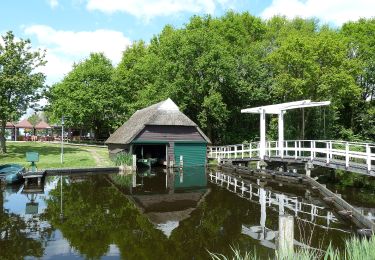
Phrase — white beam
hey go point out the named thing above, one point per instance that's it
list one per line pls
(274, 109)
(281, 134)
(262, 144)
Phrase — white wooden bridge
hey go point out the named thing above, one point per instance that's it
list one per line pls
(350, 156)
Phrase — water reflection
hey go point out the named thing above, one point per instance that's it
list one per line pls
(153, 215)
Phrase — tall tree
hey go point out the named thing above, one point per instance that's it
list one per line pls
(86, 95)
(20, 84)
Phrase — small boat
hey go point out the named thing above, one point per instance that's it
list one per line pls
(11, 173)
(147, 162)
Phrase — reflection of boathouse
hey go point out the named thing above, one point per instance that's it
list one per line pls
(163, 132)
(177, 196)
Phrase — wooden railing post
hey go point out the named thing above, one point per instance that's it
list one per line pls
(327, 151)
(330, 149)
(346, 154)
(368, 159)
(295, 150)
(242, 147)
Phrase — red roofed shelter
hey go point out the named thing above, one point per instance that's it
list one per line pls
(44, 126)
(24, 124)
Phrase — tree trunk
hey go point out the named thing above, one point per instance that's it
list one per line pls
(3, 148)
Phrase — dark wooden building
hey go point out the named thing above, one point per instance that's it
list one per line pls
(161, 131)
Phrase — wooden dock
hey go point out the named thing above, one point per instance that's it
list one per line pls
(27, 176)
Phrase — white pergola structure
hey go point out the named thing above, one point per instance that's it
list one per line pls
(278, 109)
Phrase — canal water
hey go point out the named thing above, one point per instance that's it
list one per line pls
(159, 215)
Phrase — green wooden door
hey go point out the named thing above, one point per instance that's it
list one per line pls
(194, 154)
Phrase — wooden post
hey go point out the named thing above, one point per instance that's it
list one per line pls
(181, 161)
(368, 159)
(286, 236)
(346, 154)
(134, 166)
(308, 167)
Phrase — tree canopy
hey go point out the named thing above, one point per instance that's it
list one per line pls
(20, 83)
(214, 67)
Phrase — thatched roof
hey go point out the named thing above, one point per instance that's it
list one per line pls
(162, 113)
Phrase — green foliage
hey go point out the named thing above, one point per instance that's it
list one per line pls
(85, 95)
(20, 85)
(123, 159)
(214, 67)
(34, 119)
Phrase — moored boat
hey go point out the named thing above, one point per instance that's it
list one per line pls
(11, 173)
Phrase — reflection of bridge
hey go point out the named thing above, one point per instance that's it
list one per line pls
(354, 157)
(306, 212)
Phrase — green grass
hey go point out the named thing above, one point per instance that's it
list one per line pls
(49, 155)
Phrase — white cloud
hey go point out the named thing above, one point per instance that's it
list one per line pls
(66, 47)
(53, 3)
(148, 9)
(328, 11)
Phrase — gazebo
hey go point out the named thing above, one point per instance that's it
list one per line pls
(43, 126)
(24, 124)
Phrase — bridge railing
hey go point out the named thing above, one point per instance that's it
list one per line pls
(328, 150)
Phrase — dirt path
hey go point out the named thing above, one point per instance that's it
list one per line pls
(98, 159)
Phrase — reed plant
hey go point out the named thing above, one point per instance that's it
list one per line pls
(355, 249)
(123, 159)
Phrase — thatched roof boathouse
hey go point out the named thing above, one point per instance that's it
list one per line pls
(161, 131)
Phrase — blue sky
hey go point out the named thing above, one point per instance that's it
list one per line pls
(70, 29)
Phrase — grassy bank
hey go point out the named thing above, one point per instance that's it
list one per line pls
(50, 154)
(355, 249)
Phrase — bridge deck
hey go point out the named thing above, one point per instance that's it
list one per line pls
(353, 157)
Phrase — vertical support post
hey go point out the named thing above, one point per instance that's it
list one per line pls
(327, 151)
(314, 149)
(330, 149)
(250, 150)
(286, 236)
(286, 148)
(295, 150)
(242, 150)
(262, 202)
(62, 140)
(134, 166)
(235, 151)
(181, 161)
(368, 159)
(311, 150)
(347, 154)
(262, 151)
(281, 134)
